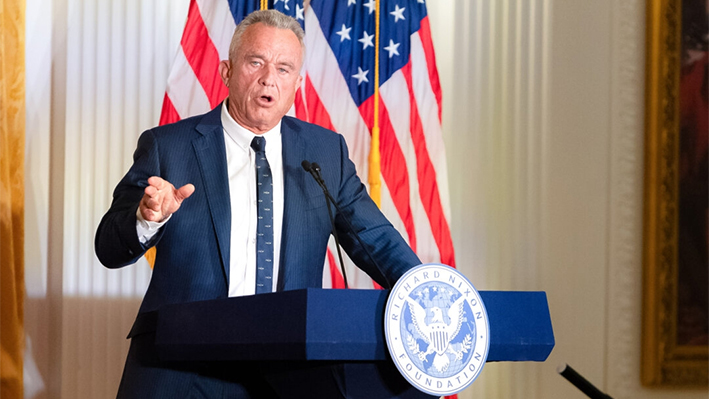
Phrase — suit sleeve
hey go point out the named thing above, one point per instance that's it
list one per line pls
(390, 256)
(116, 242)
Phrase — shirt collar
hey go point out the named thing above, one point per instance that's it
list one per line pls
(243, 137)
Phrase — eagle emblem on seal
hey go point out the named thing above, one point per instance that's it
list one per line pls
(436, 329)
(438, 332)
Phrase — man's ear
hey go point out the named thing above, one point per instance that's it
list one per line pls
(298, 83)
(225, 71)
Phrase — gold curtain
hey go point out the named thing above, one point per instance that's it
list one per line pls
(12, 163)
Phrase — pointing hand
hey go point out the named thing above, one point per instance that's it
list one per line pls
(162, 199)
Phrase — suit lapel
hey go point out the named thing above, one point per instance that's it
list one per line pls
(211, 155)
(293, 183)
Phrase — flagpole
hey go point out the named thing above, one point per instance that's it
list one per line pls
(375, 183)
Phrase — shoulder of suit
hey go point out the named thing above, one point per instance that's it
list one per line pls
(298, 126)
(188, 125)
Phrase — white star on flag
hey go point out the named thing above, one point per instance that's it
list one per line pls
(344, 33)
(285, 3)
(398, 13)
(350, 2)
(371, 4)
(299, 12)
(392, 48)
(367, 40)
(361, 76)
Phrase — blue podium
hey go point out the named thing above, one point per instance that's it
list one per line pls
(343, 327)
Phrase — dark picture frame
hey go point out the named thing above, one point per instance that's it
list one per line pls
(671, 355)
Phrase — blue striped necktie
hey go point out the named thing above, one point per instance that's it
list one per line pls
(264, 226)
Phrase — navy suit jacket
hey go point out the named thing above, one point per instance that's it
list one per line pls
(193, 248)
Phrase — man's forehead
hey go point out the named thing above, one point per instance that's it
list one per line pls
(254, 32)
(260, 26)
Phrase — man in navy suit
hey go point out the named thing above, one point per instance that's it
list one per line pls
(192, 193)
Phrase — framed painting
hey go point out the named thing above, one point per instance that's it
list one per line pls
(675, 351)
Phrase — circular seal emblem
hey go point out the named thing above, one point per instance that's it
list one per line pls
(437, 329)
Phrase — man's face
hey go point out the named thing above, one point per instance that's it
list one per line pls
(263, 78)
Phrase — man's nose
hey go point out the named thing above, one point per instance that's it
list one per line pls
(268, 76)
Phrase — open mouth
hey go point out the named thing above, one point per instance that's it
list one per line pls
(267, 99)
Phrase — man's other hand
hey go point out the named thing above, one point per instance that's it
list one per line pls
(162, 199)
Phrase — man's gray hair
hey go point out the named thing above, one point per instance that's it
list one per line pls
(272, 18)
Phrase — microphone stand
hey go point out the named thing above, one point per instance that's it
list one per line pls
(314, 170)
(581, 383)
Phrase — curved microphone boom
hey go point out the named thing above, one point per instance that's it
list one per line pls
(316, 175)
(314, 170)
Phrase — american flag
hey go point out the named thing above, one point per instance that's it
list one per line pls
(338, 93)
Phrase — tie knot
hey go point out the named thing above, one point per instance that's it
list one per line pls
(258, 144)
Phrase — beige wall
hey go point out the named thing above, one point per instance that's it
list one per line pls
(575, 164)
(543, 127)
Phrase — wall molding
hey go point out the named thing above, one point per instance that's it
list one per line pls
(623, 318)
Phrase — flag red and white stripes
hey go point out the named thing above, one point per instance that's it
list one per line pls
(338, 93)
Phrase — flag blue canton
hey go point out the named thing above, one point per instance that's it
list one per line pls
(349, 26)
(240, 8)
(294, 8)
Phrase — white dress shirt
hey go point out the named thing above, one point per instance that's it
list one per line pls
(241, 169)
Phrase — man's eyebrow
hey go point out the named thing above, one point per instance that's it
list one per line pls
(253, 55)
(286, 63)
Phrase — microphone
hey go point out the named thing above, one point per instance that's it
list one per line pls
(316, 173)
(314, 170)
(306, 165)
